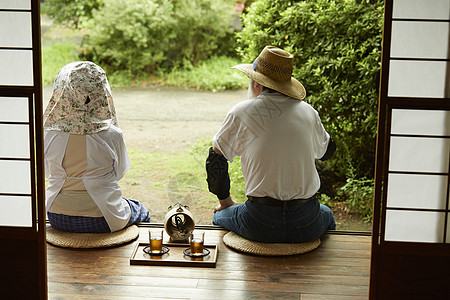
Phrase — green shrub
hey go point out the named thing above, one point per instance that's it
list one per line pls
(337, 50)
(203, 29)
(129, 35)
(70, 12)
(358, 196)
(146, 35)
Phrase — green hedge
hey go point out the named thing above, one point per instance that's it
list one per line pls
(70, 12)
(337, 50)
(146, 35)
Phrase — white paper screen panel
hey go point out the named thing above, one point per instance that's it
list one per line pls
(413, 154)
(15, 211)
(420, 122)
(414, 226)
(421, 9)
(15, 4)
(417, 191)
(16, 64)
(15, 177)
(420, 39)
(16, 67)
(418, 79)
(15, 29)
(15, 141)
(13, 109)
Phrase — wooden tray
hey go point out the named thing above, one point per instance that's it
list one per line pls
(175, 257)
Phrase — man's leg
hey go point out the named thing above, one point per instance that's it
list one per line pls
(328, 217)
(252, 221)
(230, 218)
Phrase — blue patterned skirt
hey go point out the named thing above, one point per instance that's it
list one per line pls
(96, 224)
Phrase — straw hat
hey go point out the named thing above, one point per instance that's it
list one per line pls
(91, 240)
(237, 242)
(273, 69)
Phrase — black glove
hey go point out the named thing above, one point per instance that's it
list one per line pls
(330, 150)
(217, 175)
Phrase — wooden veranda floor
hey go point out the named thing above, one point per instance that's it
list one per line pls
(338, 269)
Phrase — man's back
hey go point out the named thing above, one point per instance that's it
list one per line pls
(278, 139)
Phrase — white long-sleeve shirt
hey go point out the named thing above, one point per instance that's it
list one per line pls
(107, 163)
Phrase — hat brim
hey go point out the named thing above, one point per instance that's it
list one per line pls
(292, 88)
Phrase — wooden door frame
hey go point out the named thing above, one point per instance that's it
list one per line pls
(24, 248)
(432, 260)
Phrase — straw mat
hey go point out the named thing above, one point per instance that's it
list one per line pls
(237, 242)
(91, 240)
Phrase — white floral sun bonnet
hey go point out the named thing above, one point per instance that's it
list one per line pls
(81, 102)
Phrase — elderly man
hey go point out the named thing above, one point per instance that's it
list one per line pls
(278, 137)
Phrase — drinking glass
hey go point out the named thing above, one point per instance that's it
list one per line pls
(156, 240)
(196, 240)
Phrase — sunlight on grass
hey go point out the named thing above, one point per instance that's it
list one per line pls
(54, 57)
(59, 47)
(180, 174)
(214, 74)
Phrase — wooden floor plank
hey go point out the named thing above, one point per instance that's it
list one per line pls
(325, 287)
(96, 290)
(338, 269)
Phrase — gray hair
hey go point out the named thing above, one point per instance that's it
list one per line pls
(250, 94)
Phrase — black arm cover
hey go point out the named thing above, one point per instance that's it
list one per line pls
(217, 175)
(330, 150)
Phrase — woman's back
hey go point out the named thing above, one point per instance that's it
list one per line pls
(75, 163)
(85, 155)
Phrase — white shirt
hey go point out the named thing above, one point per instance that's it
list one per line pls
(278, 139)
(107, 162)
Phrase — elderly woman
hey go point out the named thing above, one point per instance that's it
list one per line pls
(85, 155)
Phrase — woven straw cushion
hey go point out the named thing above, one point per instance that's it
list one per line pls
(91, 240)
(237, 242)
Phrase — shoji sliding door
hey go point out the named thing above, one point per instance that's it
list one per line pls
(411, 233)
(22, 217)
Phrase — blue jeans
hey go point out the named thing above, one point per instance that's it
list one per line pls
(286, 224)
